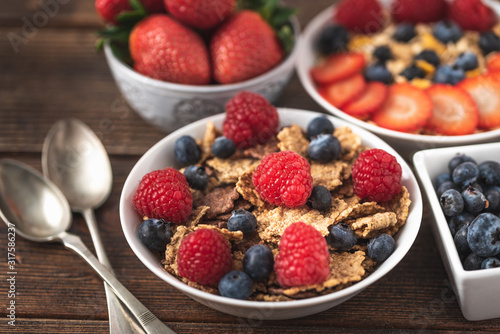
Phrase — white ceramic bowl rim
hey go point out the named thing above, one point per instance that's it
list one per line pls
(310, 31)
(215, 88)
(395, 258)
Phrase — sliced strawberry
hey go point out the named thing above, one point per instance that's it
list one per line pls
(485, 91)
(407, 108)
(337, 67)
(455, 112)
(493, 63)
(344, 91)
(373, 97)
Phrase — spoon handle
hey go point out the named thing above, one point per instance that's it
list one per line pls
(120, 321)
(149, 322)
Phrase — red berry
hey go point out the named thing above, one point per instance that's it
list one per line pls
(200, 14)
(484, 90)
(360, 16)
(204, 257)
(344, 91)
(303, 257)
(472, 15)
(164, 194)
(338, 66)
(283, 178)
(419, 11)
(250, 120)
(109, 9)
(376, 175)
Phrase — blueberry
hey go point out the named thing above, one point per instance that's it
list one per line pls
(484, 235)
(412, 72)
(489, 172)
(447, 31)
(465, 174)
(445, 186)
(457, 160)
(489, 42)
(318, 126)
(196, 177)
(236, 284)
(441, 178)
(381, 247)
(223, 147)
(320, 199)
(490, 262)
(429, 56)
(383, 53)
(258, 262)
(493, 197)
(324, 148)
(467, 61)
(342, 237)
(187, 151)
(155, 234)
(452, 202)
(478, 186)
(473, 262)
(404, 32)
(378, 72)
(457, 222)
(474, 200)
(460, 240)
(242, 220)
(332, 39)
(447, 74)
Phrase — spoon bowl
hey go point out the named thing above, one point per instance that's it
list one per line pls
(37, 207)
(76, 161)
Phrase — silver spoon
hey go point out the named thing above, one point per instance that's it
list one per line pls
(75, 160)
(40, 212)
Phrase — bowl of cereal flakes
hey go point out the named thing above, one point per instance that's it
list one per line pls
(278, 213)
(418, 79)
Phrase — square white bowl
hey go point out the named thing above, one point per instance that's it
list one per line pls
(478, 291)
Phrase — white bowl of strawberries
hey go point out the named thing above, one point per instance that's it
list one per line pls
(280, 227)
(420, 75)
(184, 64)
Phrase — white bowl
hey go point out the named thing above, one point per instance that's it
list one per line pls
(161, 155)
(405, 143)
(170, 105)
(478, 291)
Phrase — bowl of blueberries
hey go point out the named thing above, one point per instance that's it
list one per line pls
(463, 188)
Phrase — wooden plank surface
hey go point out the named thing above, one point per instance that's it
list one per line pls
(57, 74)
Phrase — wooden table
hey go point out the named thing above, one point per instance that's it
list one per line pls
(49, 70)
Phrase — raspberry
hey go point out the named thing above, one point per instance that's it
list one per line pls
(303, 257)
(164, 194)
(472, 15)
(419, 11)
(250, 120)
(376, 175)
(360, 16)
(204, 257)
(283, 178)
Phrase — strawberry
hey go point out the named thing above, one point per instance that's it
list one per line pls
(407, 108)
(493, 63)
(372, 98)
(360, 16)
(485, 91)
(454, 112)
(200, 14)
(419, 11)
(164, 49)
(109, 9)
(337, 67)
(244, 47)
(472, 15)
(344, 91)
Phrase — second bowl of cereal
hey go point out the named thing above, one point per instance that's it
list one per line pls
(418, 80)
(287, 220)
